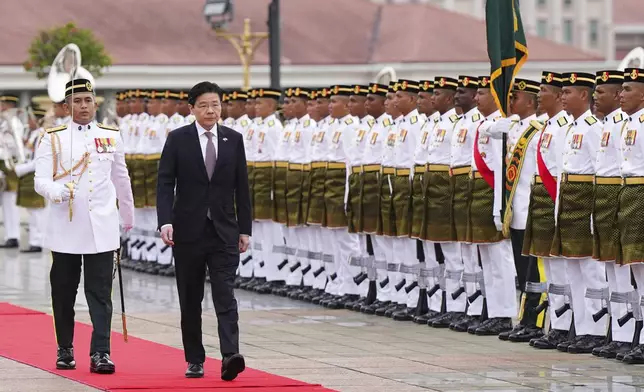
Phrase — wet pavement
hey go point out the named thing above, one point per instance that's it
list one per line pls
(340, 349)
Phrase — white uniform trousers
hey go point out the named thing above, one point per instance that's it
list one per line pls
(11, 215)
(383, 251)
(555, 269)
(453, 267)
(472, 268)
(638, 274)
(246, 270)
(347, 246)
(400, 253)
(316, 246)
(585, 274)
(36, 224)
(258, 251)
(297, 240)
(406, 250)
(151, 240)
(499, 272)
(431, 263)
(271, 236)
(619, 280)
(137, 247)
(364, 286)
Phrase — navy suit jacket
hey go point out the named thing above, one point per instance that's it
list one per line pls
(226, 193)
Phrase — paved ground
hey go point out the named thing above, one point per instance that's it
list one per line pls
(342, 350)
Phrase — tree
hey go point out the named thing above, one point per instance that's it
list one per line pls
(46, 45)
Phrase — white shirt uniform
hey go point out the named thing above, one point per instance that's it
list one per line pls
(360, 141)
(266, 139)
(300, 142)
(407, 138)
(491, 152)
(439, 143)
(632, 147)
(609, 155)
(376, 140)
(580, 146)
(552, 142)
(463, 138)
(95, 222)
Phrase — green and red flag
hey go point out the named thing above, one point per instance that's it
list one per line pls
(506, 47)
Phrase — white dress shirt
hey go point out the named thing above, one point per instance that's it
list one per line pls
(203, 139)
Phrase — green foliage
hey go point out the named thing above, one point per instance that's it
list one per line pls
(46, 45)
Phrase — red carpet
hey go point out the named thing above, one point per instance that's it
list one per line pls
(6, 309)
(28, 337)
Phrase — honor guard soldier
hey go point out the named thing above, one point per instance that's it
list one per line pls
(541, 211)
(484, 228)
(346, 245)
(80, 169)
(297, 195)
(630, 213)
(264, 145)
(27, 196)
(387, 224)
(399, 174)
(460, 168)
(9, 156)
(435, 143)
(369, 204)
(316, 217)
(608, 181)
(357, 109)
(573, 215)
(520, 172)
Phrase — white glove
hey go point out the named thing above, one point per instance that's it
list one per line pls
(61, 194)
(498, 223)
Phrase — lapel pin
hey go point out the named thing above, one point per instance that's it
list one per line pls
(225, 139)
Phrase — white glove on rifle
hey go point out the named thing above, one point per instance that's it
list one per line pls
(498, 223)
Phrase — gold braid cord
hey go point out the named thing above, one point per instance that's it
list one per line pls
(84, 162)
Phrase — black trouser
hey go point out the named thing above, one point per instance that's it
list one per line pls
(527, 271)
(64, 278)
(191, 260)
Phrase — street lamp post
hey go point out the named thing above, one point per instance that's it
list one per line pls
(245, 44)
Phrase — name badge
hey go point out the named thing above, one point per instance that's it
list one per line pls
(105, 144)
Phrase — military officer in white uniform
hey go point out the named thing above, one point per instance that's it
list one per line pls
(83, 222)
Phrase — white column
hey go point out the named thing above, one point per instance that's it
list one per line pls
(580, 29)
(555, 8)
(529, 16)
(607, 31)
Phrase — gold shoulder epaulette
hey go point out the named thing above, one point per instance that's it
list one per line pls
(348, 121)
(642, 118)
(108, 127)
(453, 118)
(387, 122)
(271, 123)
(476, 117)
(414, 119)
(371, 122)
(590, 120)
(619, 117)
(537, 124)
(244, 123)
(307, 123)
(562, 121)
(56, 129)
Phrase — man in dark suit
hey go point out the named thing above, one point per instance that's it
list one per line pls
(208, 223)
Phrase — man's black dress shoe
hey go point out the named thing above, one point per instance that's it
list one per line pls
(585, 344)
(635, 356)
(551, 340)
(65, 359)
(195, 370)
(231, 366)
(10, 243)
(612, 349)
(101, 364)
(31, 249)
(506, 335)
(494, 326)
(526, 334)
